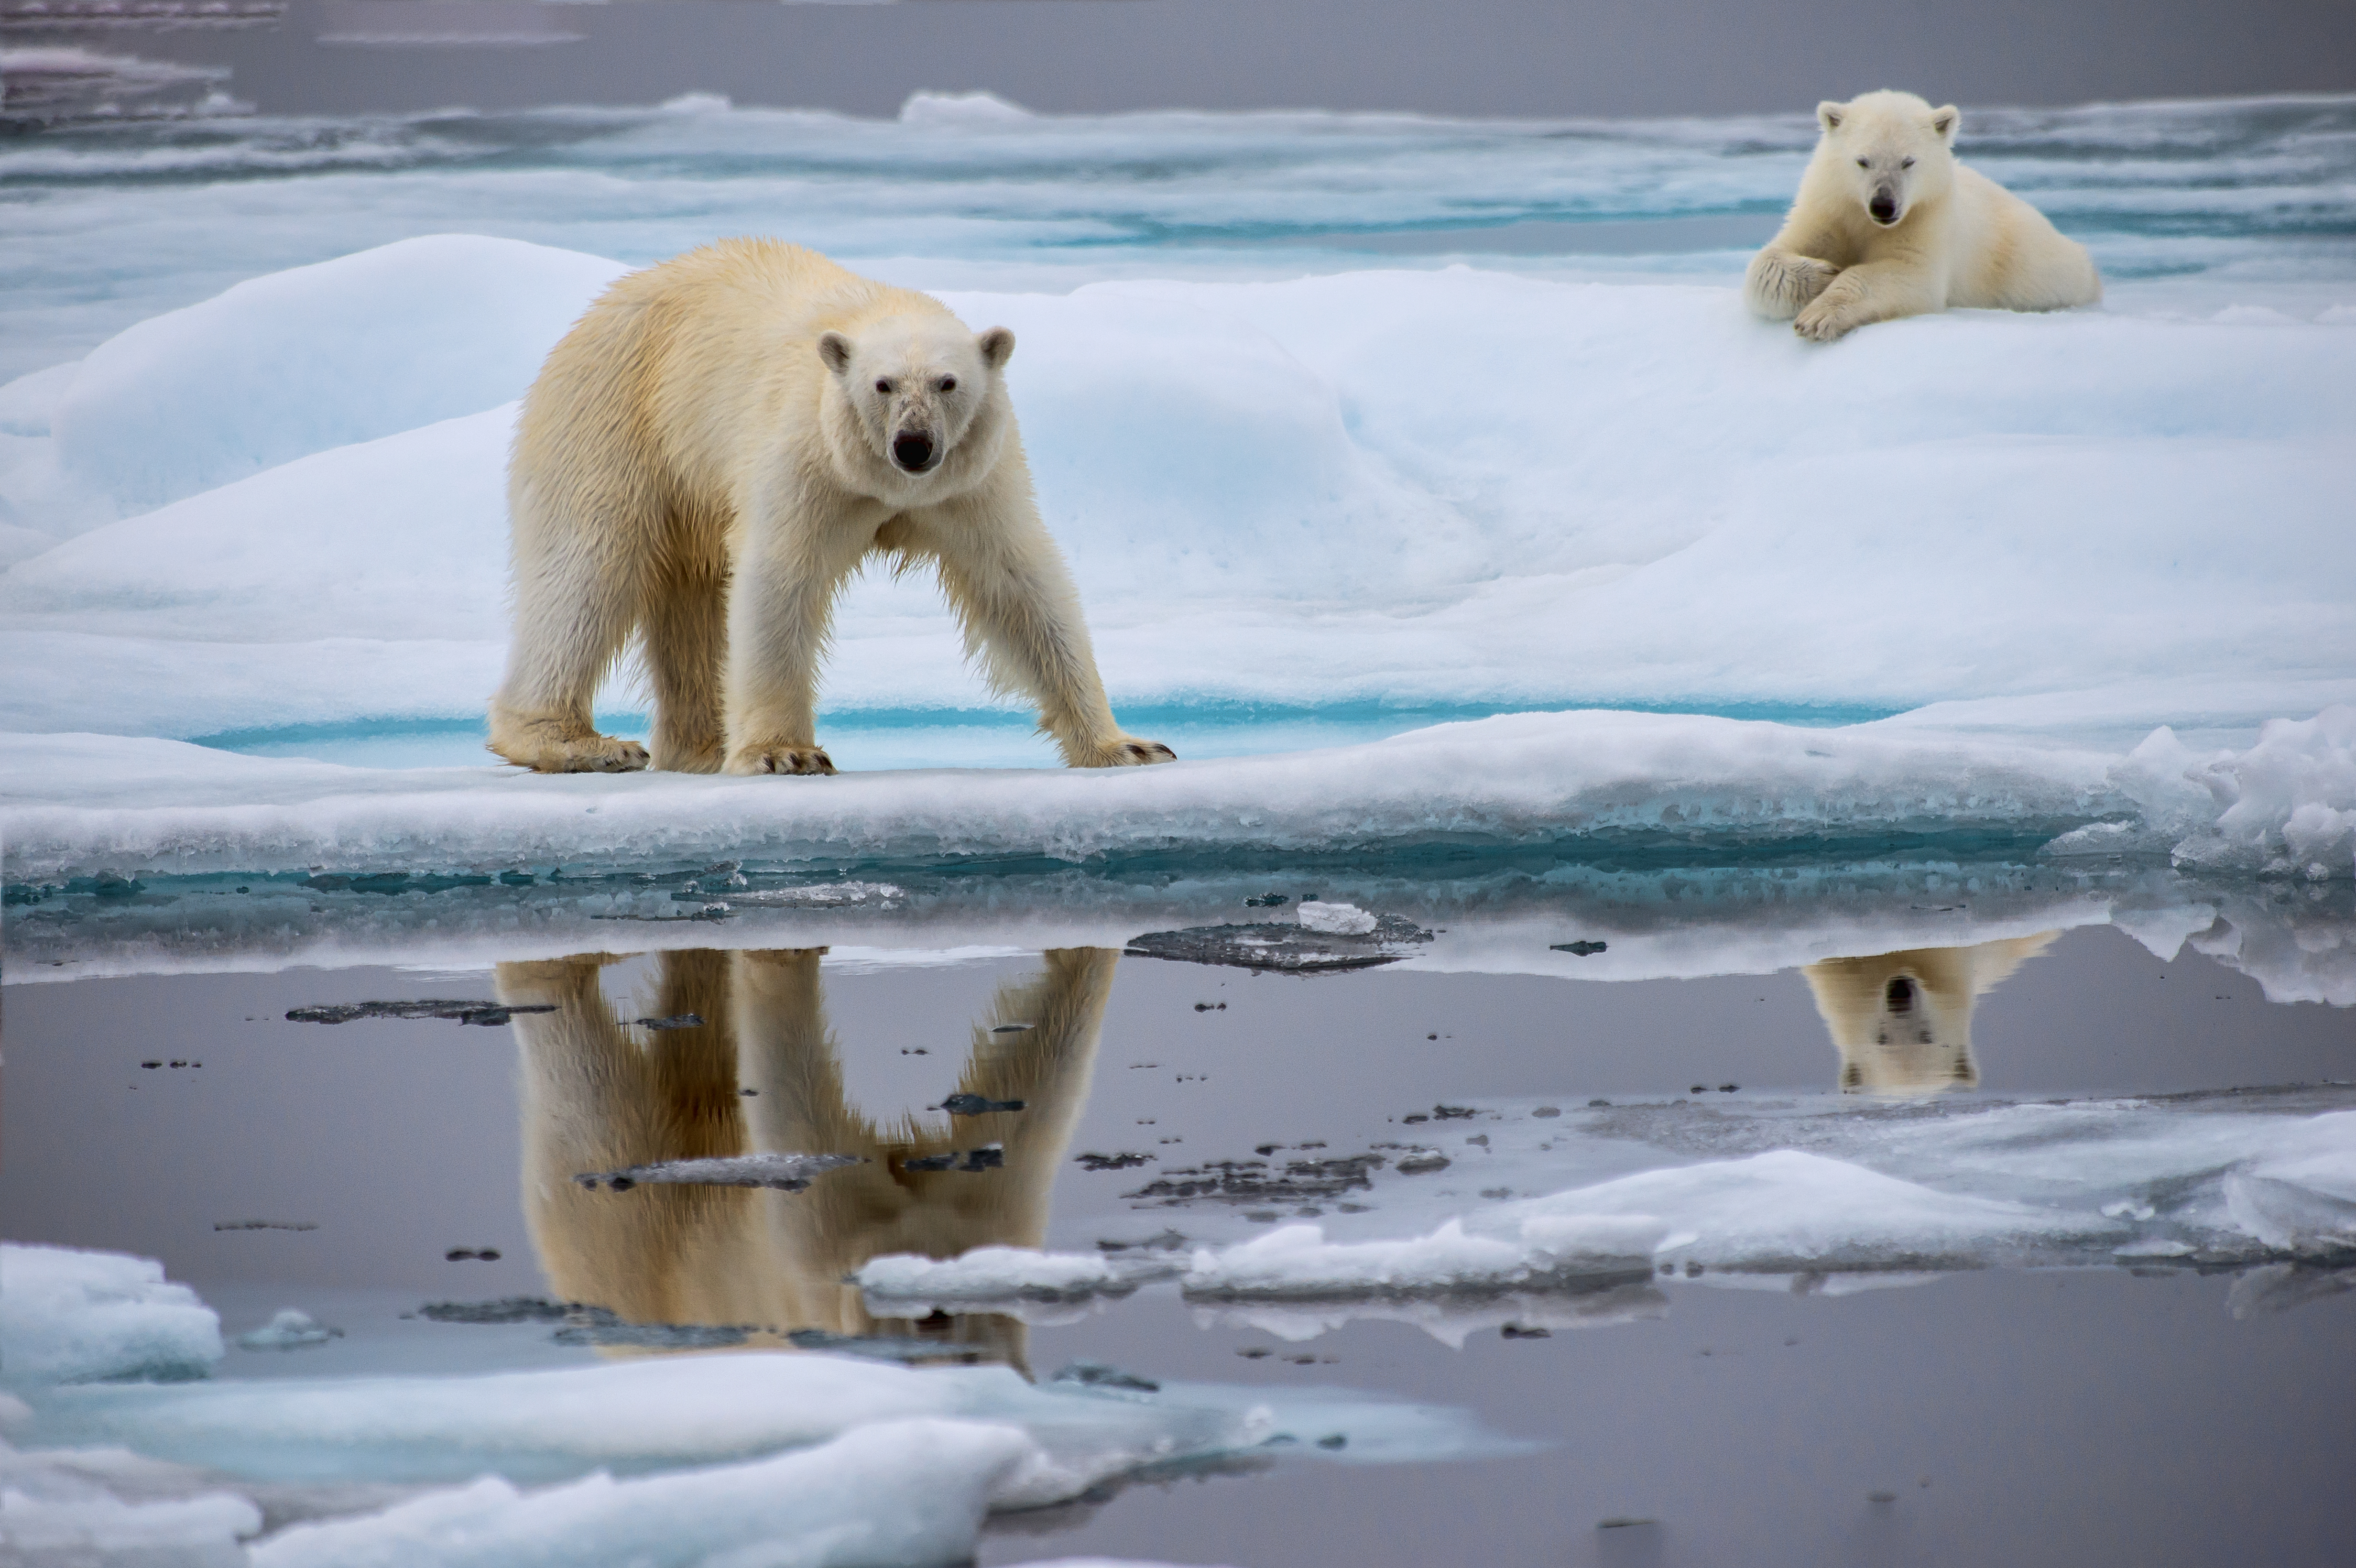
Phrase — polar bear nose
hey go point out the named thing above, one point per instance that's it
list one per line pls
(912, 450)
(1884, 205)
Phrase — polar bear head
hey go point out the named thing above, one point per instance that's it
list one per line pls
(1902, 1022)
(922, 393)
(1889, 150)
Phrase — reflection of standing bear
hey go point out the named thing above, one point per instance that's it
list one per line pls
(704, 460)
(600, 1096)
(1888, 223)
(1902, 1022)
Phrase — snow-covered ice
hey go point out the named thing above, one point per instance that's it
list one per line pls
(256, 495)
(71, 1316)
(895, 1491)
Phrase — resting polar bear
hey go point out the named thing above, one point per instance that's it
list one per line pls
(706, 457)
(1902, 1022)
(1888, 223)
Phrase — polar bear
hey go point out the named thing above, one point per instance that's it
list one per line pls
(709, 454)
(760, 1070)
(1902, 1022)
(1888, 224)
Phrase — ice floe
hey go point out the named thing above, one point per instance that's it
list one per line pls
(677, 1411)
(895, 1491)
(71, 1316)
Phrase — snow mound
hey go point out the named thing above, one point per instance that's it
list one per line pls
(69, 1316)
(291, 1328)
(57, 1512)
(901, 1491)
(299, 361)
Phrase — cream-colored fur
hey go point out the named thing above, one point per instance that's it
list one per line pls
(707, 456)
(1941, 236)
(1902, 1022)
(599, 1095)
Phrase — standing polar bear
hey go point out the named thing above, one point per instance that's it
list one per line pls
(1888, 224)
(708, 455)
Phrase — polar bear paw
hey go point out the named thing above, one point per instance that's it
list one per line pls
(1822, 324)
(776, 757)
(1782, 284)
(1124, 752)
(554, 747)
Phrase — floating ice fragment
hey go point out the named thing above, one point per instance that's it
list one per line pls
(1337, 919)
(488, 1014)
(68, 1315)
(987, 1274)
(780, 1172)
(290, 1330)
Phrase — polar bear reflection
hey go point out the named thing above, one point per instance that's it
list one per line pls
(1902, 1022)
(601, 1095)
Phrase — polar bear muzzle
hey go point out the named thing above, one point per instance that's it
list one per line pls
(915, 451)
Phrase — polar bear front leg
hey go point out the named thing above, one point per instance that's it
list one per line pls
(1871, 292)
(1009, 585)
(1781, 283)
(780, 604)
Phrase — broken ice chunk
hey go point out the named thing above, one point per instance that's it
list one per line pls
(291, 1329)
(779, 1172)
(69, 1316)
(963, 1104)
(1337, 919)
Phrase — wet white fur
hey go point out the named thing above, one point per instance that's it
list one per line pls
(704, 460)
(1959, 238)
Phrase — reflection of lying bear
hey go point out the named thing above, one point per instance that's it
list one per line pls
(600, 1096)
(1904, 1020)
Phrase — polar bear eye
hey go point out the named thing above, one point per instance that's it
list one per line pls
(884, 386)
(948, 383)
(1861, 163)
(1905, 163)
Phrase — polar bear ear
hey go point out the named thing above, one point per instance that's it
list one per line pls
(1945, 120)
(997, 348)
(835, 349)
(1828, 114)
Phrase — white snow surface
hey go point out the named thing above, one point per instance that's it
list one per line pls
(1563, 508)
(298, 361)
(70, 1316)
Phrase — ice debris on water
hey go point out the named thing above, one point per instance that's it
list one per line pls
(1580, 949)
(484, 1013)
(675, 1021)
(290, 1330)
(778, 1172)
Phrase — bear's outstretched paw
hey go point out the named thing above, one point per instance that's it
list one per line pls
(779, 759)
(1124, 751)
(1818, 324)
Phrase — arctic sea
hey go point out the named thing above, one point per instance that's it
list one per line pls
(1748, 959)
